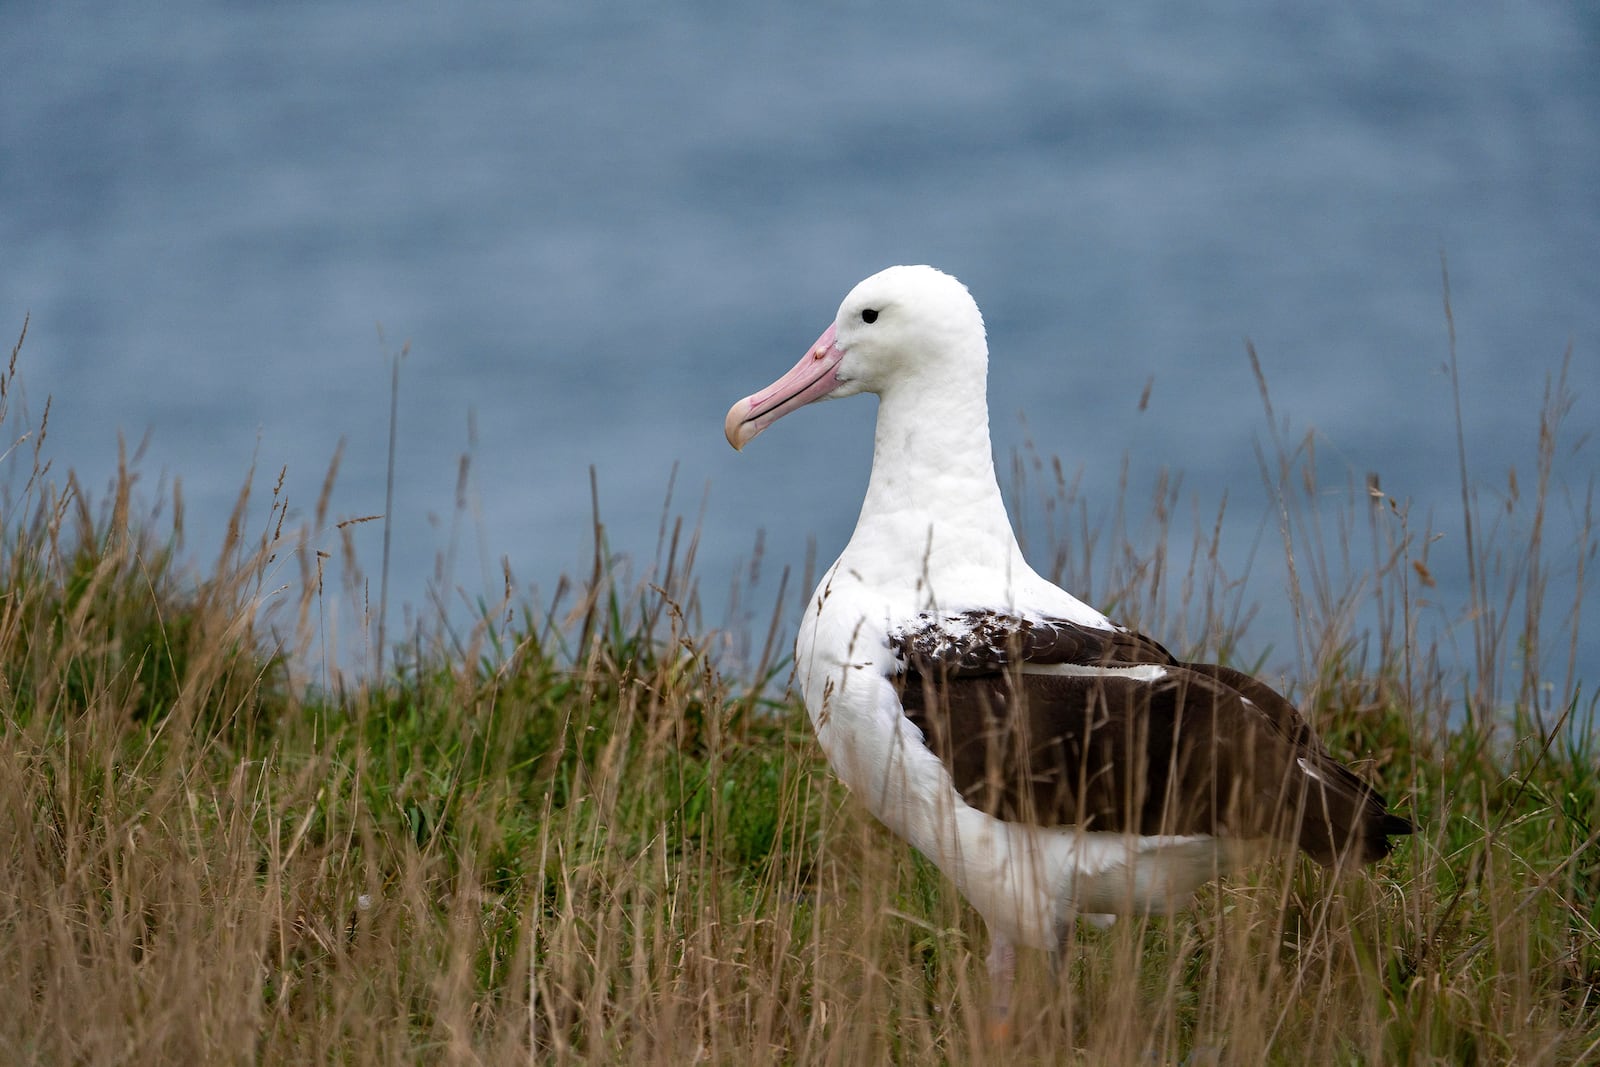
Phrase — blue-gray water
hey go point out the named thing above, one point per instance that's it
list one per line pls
(598, 225)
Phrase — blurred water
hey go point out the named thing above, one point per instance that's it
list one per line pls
(598, 225)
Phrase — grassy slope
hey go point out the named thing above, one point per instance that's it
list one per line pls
(578, 839)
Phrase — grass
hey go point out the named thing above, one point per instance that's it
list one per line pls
(566, 836)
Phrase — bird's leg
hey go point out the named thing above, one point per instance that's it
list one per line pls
(1002, 962)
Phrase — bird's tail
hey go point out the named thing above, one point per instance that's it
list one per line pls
(1342, 819)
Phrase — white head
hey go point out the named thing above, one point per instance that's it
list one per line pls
(902, 327)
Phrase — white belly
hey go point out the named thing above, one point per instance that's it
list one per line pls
(1026, 881)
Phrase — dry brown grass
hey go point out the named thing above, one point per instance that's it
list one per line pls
(567, 838)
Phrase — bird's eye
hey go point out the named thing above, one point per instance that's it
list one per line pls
(870, 315)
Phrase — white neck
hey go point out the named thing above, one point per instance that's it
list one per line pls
(933, 509)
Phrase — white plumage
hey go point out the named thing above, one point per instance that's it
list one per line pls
(933, 565)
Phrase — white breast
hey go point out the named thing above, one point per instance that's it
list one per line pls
(1024, 880)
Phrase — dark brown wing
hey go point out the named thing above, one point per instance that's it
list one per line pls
(976, 642)
(1179, 750)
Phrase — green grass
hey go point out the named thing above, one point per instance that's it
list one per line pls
(567, 836)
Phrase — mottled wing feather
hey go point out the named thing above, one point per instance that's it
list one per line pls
(979, 642)
(1193, 748)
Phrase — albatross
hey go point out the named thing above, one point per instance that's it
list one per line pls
(1053, 764)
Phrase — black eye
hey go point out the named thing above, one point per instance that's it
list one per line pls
(870, 315)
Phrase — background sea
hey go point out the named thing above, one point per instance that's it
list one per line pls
(597, 225)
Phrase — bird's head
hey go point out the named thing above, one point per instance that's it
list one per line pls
(902, 327)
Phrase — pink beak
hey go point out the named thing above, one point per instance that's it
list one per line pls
(814, 377)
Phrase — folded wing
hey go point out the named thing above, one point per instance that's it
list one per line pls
(1055, 723)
